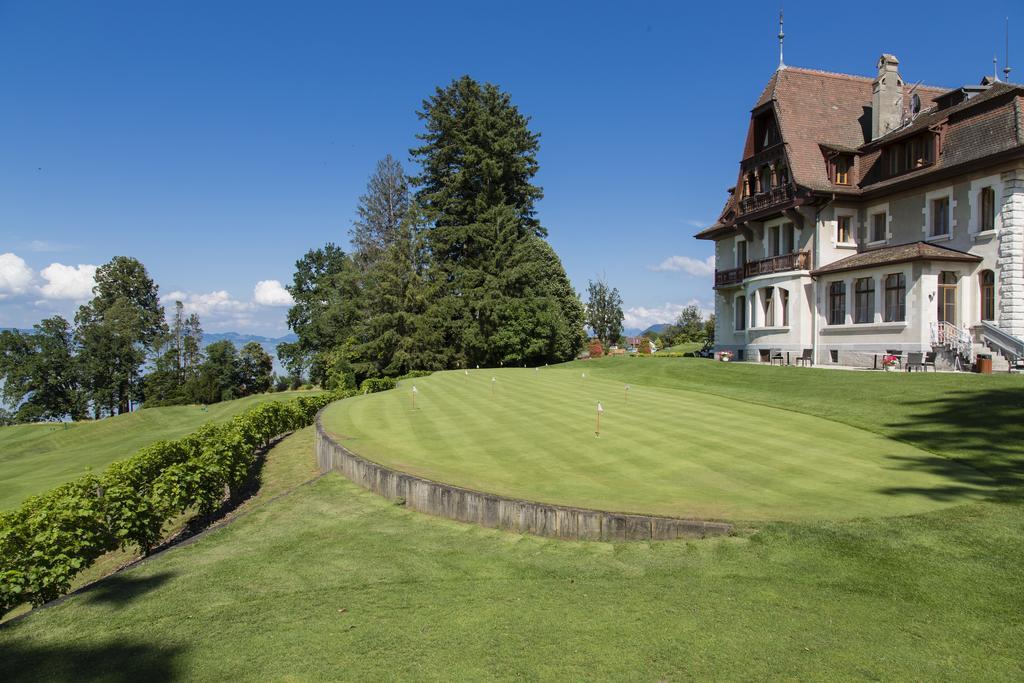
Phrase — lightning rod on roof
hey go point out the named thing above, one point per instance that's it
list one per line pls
(1006, 67)
(782, 64)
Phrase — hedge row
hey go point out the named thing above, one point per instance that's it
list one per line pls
(54, 536)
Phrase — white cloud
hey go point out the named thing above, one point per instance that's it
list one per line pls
(271, 293)
(688, 265)
(68, 282)
(15, 275)
(219, 304)
(643, 317)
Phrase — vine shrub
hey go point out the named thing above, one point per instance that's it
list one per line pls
(50, 538)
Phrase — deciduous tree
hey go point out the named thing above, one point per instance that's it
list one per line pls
(604, 312)
(117, 330)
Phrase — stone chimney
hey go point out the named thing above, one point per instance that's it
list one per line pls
(887, 97)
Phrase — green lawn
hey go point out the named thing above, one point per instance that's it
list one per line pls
(670, 451)
(685, 347)
(334, 582)
(36, 457)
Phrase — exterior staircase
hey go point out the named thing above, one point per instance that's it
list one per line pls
(954, 346)
(1008, 350)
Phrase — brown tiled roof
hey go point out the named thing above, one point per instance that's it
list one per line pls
(901, 253)
(817, 108)
(985, 125)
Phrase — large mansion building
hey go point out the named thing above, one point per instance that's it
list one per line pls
(871, 215)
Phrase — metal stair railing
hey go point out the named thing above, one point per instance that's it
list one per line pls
(998, 339)
(954, 338)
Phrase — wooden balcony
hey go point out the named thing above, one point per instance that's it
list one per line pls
(724, 278)
(766, 200)
(800, 260)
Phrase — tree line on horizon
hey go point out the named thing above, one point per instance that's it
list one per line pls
(121, 352)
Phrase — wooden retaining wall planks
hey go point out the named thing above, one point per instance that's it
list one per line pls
(498, 512)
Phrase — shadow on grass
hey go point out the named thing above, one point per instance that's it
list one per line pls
(120, 661)
(980, 433)
(121, 588)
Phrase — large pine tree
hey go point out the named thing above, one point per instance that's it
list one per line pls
(495, 296)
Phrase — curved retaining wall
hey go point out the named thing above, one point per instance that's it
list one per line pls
(498, 512)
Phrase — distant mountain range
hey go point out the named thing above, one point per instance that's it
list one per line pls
(653, 329)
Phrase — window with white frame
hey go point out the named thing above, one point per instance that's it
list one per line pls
(788, 238)
(985, 195)
(939, 217)
(741, 312)
(837, 303)
(878, 226)
(844, 229)
(864, 300)
(939, 221)
(895, 298)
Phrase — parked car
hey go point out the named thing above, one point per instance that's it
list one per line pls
(706, 351)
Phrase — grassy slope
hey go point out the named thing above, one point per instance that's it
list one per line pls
(36, 457)
(664, 451)
(333, 582)
(685, 347)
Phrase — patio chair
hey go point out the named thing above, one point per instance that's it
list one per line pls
(806, 359)
(929, 361)
(776, 355)
(915, 360)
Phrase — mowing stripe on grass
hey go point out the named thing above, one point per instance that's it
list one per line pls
(666, 452)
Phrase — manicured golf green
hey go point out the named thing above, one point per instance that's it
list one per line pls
(36, 457)
(531, 434)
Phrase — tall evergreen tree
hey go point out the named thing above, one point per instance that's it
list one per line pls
(394, 337)
(177, 361)
(117, 330)
(478, 158)
(604, 312)
(381, 212)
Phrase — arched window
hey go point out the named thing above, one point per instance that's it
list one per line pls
(769, 309)
(947, 297)
(988, 295)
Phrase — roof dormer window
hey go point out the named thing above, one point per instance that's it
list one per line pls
(841, 166)
(766, 132)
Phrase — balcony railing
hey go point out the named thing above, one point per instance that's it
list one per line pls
(801, 260)
(724, 278)
(765, 200)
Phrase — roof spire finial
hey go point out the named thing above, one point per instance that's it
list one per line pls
(995, 68)
(1006, 66)
(782, 64)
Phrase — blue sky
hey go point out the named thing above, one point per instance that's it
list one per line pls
(218, 141)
